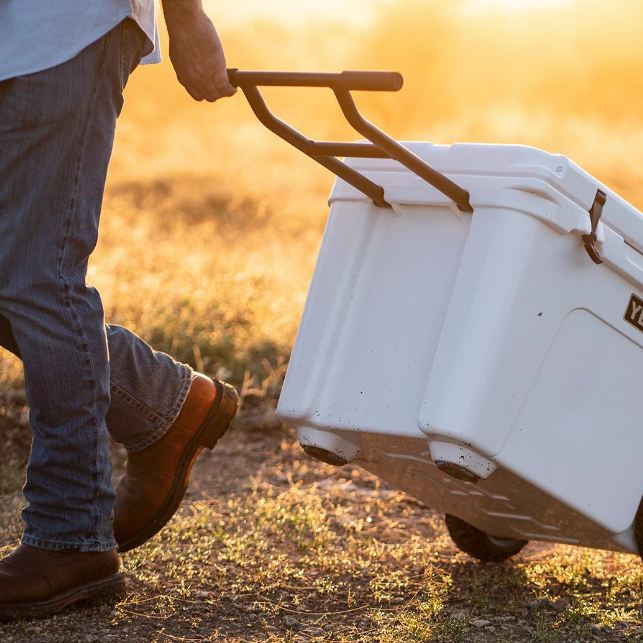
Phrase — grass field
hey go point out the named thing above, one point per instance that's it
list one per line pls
(209, 236)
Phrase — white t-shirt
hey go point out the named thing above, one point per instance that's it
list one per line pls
(39, 34)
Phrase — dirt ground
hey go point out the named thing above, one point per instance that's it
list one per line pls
(270, 545)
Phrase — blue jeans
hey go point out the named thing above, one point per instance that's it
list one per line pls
(83, 378)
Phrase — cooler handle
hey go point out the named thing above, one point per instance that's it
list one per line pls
(325, 153)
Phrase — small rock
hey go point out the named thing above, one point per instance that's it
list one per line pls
(391, 536)
(595, 629)
(540, 603)
(202, 594)
(481, 622)
(291, 623)
(560, 605)
(460, 616)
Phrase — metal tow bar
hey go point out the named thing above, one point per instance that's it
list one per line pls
(381, 145)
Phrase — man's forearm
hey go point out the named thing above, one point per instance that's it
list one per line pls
(180, 13)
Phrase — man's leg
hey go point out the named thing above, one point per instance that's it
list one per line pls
(157, 410)
(56, 140)
(147, 387)
(56, 135)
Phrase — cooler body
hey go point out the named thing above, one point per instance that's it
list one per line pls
(482, 362)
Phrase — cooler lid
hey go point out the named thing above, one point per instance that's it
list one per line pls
(519, 161)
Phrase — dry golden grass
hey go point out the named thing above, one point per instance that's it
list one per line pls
(209, 236)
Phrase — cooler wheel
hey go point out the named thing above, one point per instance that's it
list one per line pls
(476, 543)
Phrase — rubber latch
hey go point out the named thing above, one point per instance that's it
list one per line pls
(595, 213)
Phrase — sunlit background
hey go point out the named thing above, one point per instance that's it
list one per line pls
(210, 231)
(212, 224)
(565, 75)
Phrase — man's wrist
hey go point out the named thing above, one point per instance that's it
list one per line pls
(181, 13)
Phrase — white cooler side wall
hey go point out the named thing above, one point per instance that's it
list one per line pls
(373, 318)
(577, 435)
(345, 238)
(528, 375)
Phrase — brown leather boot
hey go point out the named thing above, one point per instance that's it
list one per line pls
(156, 477)
(40, 582)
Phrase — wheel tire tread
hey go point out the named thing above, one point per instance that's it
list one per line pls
(476, 543)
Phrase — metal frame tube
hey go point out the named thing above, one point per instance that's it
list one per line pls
(305, 145)
(375, 81)
(400, 153)
(325, 153)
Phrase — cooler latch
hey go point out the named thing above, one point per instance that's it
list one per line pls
(595, 213)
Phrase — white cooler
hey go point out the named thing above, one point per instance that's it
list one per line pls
(490, 342)
(488, 363)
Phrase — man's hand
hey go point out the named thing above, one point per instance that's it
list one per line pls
(196, 51)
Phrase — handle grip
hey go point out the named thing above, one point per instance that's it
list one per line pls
(370, 81)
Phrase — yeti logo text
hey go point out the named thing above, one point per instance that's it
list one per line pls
(634, 312)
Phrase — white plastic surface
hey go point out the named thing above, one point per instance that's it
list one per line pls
(491, 339)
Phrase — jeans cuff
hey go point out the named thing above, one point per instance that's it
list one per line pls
(55, 545)
(186, 382)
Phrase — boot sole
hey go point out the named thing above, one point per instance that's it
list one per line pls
(94, 591)
(210, 431)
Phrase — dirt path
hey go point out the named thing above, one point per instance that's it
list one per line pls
(270, 545)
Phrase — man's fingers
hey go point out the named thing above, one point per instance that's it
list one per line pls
(217, 84)
(190, 86)
(194, 93)
(207, 81)
(214, 96)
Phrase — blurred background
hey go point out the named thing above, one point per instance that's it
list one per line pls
(209, 236)
(211, 224)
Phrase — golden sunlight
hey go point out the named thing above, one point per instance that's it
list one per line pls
(518, 5)
(210, 232)
(520, 71)
(293, 12)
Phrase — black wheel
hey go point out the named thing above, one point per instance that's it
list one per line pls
(476, 543)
